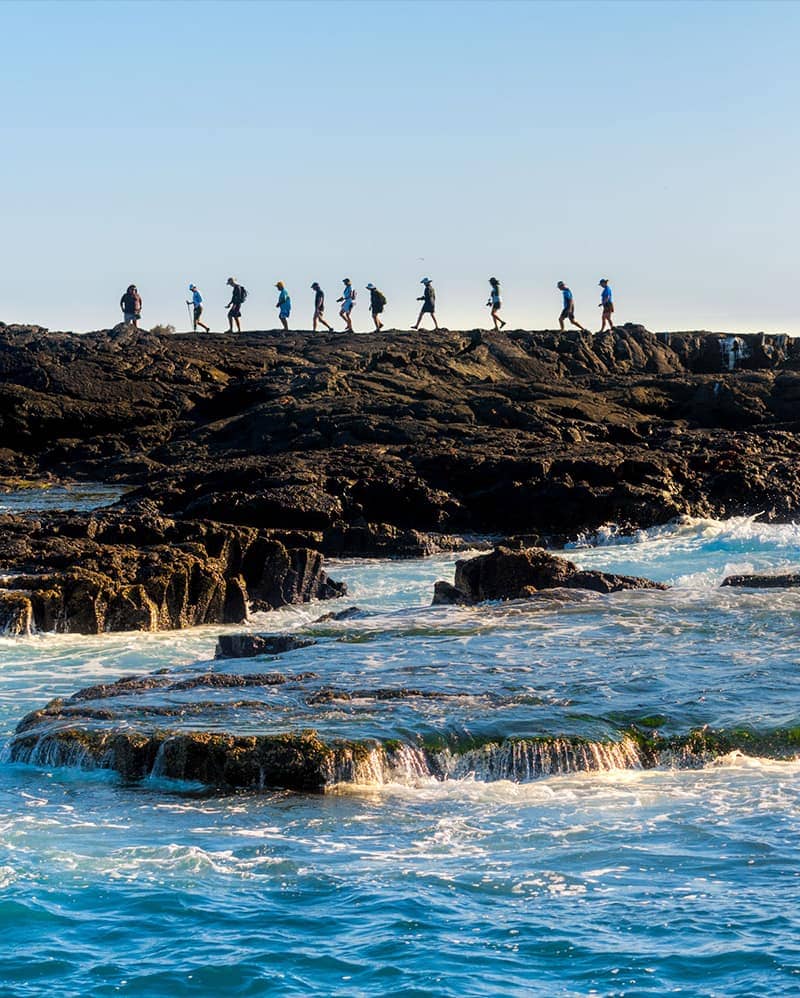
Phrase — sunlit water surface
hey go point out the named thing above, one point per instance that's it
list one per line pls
(614, 883)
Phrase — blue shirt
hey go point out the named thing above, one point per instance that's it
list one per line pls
(606, 297)
(197, 298)
(349, 293)
(567, 296)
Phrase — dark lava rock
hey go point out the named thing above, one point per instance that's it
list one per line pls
(763, 581)
(123, 570)
(400, 443)
(349, 613)
(249, 645)
(516, 574)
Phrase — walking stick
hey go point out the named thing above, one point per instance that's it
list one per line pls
(191, 314)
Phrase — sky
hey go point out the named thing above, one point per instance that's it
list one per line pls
(159, 143)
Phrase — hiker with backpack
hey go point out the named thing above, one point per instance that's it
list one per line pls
(284, 303)
(319, 308)
(348, 301)
(496, 303)
(197, 309)
(131, 305)
(377, 303)
(234, 306)
(428, 299)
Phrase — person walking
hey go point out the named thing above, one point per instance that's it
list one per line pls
(234, 306)
(496, 303)
(131, 305)
(607, 305)
(197, 309)
(568, 309)
(377, 303)
(428, 299)
(284, 304)
(348, 301)
(319, 308)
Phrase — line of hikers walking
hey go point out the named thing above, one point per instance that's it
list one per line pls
(131, 305)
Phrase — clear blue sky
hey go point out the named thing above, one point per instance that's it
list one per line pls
(161, 143)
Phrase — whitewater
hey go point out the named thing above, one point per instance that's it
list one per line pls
(473, 878)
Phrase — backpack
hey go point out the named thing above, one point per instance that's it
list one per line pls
(242, 294)
(381, 298)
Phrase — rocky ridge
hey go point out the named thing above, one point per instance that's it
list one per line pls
(404, 443)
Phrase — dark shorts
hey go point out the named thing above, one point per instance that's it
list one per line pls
(235, 312)
(428, 308)
(567, 313)
(377, 310)
(198, 311)
(608, 309)
(319, 312)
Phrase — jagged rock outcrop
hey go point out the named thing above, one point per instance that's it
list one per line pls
(786, 581)
(139, 570)
(402, 443)
(506, 573)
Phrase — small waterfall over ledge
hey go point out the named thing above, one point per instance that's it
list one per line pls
(517, 760)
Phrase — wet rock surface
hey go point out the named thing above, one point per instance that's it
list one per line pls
(509, 573)
(249, 645)
(408, 443)
(786, 581)
(135, 569)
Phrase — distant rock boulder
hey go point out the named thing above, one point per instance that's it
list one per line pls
(516, 574)
(248, 645)
(788, 581)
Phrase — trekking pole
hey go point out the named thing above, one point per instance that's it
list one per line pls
(191, 317)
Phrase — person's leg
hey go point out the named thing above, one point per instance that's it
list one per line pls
(435, 323)
(572, 321)
(419, 319)
(326, 324)
(284, 323)
(238, 325)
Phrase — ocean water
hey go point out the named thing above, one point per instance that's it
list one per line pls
(611, 881)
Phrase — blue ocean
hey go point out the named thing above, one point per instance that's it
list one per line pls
(484, 880)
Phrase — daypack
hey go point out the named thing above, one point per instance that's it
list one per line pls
(242, 294)
(380, 297)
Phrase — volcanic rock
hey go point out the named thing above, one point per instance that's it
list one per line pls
(516, 574)
(121, 571)
(787, 581)
(249, 645)
(402, 443)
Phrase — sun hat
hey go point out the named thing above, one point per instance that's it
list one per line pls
(425, 280)
(603, 280)
(370, 287)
